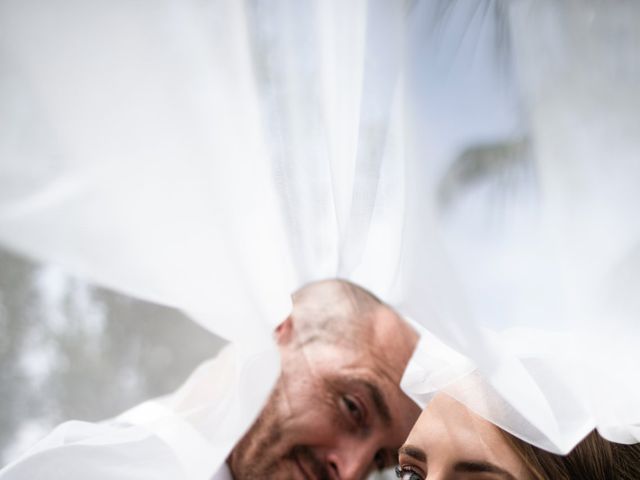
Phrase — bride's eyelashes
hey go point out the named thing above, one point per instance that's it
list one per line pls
(408, 472)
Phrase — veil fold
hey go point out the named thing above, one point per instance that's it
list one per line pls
(215, 156)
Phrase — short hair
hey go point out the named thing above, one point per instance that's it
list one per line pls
(594, 458)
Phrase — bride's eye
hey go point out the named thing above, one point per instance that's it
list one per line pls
(406, 472)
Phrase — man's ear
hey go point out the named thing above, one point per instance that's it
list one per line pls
(284, 331)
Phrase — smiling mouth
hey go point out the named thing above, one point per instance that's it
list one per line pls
(304, 472)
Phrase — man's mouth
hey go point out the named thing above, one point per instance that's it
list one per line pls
(305, 474)
(309, 466)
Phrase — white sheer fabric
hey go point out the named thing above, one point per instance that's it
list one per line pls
(215, 156)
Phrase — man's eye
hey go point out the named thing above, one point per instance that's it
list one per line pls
(407, 473)
(353, 408)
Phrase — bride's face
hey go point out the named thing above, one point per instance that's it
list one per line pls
(450, 442)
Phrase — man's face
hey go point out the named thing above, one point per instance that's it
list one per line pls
(337, 411)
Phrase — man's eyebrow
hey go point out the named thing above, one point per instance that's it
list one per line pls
(482, 467)
(378, 401)
(413, 452)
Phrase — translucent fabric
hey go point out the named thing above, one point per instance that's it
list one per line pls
(474, 164)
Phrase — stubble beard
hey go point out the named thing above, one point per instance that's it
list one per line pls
(257, 455)
(261, 453)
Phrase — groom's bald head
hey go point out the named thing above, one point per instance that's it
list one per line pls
(337, 410)
(333, 311)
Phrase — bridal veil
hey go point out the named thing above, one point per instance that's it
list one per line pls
(474, 164)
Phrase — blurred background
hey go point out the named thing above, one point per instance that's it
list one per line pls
(69, 350)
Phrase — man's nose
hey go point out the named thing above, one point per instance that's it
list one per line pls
(352, 459)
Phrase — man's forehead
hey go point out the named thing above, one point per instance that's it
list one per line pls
(380, 362)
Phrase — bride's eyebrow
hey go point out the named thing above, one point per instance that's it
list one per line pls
(413, 452)
(482, 467)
